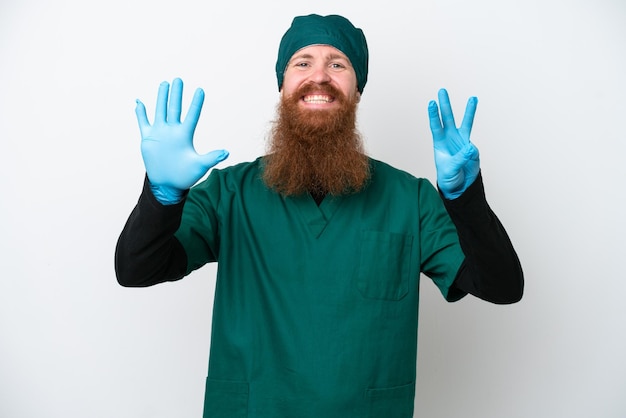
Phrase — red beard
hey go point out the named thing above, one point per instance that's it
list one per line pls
(316, 151)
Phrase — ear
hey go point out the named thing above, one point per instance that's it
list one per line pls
(358, 97)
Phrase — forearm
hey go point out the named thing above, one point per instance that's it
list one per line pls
(147, 252)
(491, 270)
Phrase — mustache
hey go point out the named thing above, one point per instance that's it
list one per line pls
(325, 88)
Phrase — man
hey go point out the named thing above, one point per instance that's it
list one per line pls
(319, 247)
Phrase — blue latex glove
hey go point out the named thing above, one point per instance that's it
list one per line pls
(172, 163)
(456, 158)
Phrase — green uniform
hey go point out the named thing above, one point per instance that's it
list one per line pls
(316, 307)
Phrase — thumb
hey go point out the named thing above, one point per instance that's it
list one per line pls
(471, 152)
(213, 158)
(468, 153)
(142, 118)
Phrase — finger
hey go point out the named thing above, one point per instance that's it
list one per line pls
(446, 109)
(194, 109)
(433, 117)
(161, 106)
(471, 153)
(142, 118)
(468, 118)
(176, 97)
(213, 158)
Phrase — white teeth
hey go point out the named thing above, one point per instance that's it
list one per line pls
(318, 98)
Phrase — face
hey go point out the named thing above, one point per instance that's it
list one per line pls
(315, 146)
(316, 66)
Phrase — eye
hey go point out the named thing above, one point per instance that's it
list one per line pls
(301, 64)
(337, 66)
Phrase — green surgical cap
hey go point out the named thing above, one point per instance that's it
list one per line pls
(333, 30)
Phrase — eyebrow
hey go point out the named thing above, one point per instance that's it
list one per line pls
(332, 56)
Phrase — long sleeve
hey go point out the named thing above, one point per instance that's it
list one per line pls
(491, 269)
(147, 251)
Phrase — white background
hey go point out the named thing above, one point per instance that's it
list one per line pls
(549, 75)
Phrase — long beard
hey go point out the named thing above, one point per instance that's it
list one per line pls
(316, 151)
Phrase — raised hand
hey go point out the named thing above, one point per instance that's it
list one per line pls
(171, 161)
(456, 158)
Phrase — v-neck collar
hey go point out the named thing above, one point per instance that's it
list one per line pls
(316, 217)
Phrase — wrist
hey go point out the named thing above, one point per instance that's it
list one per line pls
(167, 195)
(448, 194)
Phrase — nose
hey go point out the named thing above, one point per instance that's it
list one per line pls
(320, 75)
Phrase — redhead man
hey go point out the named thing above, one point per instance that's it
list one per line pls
(319, 247)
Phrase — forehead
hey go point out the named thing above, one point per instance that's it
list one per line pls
(326, 52)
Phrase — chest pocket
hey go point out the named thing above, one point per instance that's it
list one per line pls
(385, 265)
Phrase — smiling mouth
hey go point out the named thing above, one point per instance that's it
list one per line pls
(318, 99)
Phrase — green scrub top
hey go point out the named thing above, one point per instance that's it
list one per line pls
(316, 307)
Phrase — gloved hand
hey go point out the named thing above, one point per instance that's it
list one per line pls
(171, 162)
(456, 158)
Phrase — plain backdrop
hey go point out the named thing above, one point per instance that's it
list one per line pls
(549, 75)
